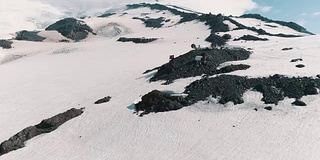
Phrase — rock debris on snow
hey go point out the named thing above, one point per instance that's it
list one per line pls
(46, 126)
(103, 100)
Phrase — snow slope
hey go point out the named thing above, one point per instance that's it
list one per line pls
(54, 77)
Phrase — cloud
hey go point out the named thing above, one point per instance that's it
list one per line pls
(28, 15)
(316, 14)
(265, 8)
(303, 14)
(227, 7)
(86, 7)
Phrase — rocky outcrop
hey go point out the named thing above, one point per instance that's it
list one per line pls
(29, 36)
(229, 88)
(251, 38)
(5, 44)
(156, 101)
(216, 40)
(186, 66)
(71, 28)
(46, 126)
(152, 22)
(137, 40)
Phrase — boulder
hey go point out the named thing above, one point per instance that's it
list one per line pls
(269, 108)
(157, 101)
(298, 102)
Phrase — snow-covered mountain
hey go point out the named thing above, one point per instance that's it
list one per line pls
(239, 93)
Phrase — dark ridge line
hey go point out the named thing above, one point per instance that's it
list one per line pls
(291, 25)
(259, 31)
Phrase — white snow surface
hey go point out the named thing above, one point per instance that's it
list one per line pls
(51, 78)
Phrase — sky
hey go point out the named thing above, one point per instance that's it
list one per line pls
(37, 14)
(303, 12)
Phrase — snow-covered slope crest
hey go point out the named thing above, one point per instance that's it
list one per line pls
(50, 78)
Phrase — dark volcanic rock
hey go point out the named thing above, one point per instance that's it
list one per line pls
(48, 125)
(152, 22)
(105, 15)
(271, 94)
(5, 44)
(296, 60)
(300, 65)
(287, 49)
(228, 88)
(232, 68)
(225, 88)
(251, 38)
(71, 28)
(103, 100)
(216, 40)
(186, 66)
(268, 108)
(137, 40)
(29, 36)
(226, 36)
(298, 102)
(156, 101)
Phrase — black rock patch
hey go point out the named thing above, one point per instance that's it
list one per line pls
(29, 36)
(269, 108)
(186, 66)
(156, 101)
(71, 28)
(298, 102)
(152, 22)
(105, 15)
(216, 40)
(300, 65)
(296, 60)
(251, 38)
(287, 49)
(103, 100)
(232, 68)
(229, 88)
(137, 40)
(5, 44)
(46, 126)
